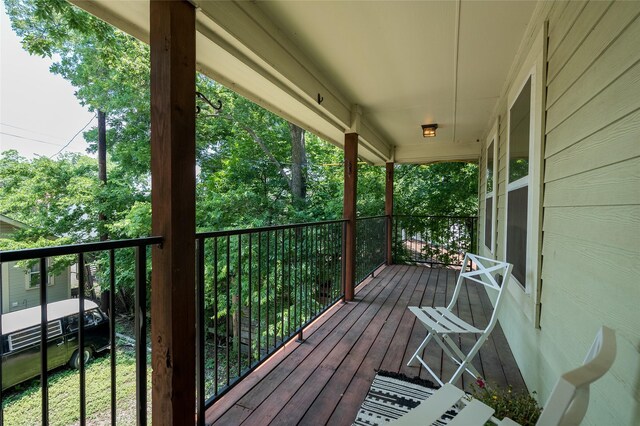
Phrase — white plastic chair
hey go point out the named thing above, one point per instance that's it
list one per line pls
(566, 405)
(441, 322)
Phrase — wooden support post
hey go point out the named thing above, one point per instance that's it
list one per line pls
(349, 210)
(388, 209)
(173, 86)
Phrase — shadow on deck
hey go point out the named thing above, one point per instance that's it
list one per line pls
(325, 379)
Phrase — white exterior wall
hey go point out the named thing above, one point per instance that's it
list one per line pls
(590, 228)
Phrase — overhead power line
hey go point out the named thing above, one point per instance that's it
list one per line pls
(30, 139)
(32, 131)
(74, 136)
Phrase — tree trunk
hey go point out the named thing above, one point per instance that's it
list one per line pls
(299, 166)
(102, 169)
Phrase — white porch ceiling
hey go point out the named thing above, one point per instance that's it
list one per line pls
(402, 63)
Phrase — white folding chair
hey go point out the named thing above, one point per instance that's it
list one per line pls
(441, 322)
(569, 399)
(566, 405)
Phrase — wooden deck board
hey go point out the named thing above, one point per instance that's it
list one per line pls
(325, 379)
(324, 336)
(318, 375)
(324, 404)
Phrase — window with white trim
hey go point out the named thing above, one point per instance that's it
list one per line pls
(33, 276)
(518, 182)
(489, 198)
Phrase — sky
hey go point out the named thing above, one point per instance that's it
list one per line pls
(39, 113)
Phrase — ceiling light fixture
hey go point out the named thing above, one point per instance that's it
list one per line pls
(429, 130)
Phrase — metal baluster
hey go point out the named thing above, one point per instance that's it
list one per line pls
(275, 289)
(297, 281)
(239, 307)
(215, 315)
(81, 283)
(344, 259)
(200, 330)
(141, 335)
(259, 295)
(250, 296)
(307, 275)
(289, 284)
(112, 331)
(228, 285)
(282, 290)
(44, 323)
(268, 273)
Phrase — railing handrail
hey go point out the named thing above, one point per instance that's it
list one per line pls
(371, 217)
(53, 251)
(436, 216)
(242, 231)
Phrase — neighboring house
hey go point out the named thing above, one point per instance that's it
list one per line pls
(20, 286)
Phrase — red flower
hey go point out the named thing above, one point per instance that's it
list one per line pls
(480, 383)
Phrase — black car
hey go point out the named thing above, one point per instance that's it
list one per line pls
(21, 339)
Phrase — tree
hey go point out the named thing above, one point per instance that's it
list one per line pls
(89, 53)
(441, 189)
(253, 167)
(52, 197)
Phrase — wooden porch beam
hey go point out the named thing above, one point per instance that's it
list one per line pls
(173, 73)
(349, 210)
(388, 208)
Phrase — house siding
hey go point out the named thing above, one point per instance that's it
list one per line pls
(591, 206)
(6, 229)
(20, 297)
(15, 295)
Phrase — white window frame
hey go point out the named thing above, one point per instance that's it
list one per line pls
(492, 138)
(29, 272)
(527, 294)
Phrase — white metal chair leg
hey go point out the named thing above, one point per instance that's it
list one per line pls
(433, 374)
(459, 358)
(419, 350)
(464, 358)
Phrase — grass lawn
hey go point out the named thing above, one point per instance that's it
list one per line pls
(23, 404)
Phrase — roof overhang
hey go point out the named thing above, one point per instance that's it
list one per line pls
(380, 69)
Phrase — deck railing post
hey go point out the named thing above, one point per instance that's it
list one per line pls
(388, 209)
(349, 210)
(172, 38)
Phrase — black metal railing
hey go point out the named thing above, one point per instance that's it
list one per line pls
(132, 269)
(371, 247)
(257, 289)
(436, 240)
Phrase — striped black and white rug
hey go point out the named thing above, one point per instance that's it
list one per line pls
(391, 395)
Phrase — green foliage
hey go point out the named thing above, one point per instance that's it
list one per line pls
(441, 189)
(518, 168)
(518, 406)
(244, 154)
(54, 198)
(371, 190)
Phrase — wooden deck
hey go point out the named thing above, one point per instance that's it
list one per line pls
(325, 379)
